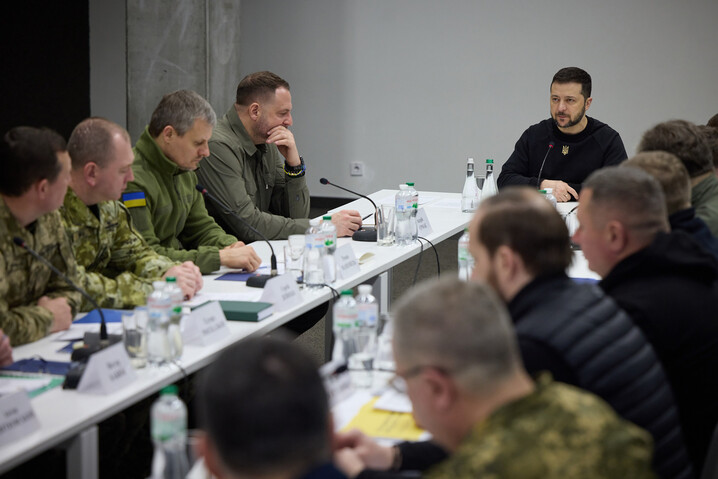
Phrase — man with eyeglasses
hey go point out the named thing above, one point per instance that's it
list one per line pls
(456, 350)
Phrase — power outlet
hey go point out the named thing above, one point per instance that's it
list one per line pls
(357, 168)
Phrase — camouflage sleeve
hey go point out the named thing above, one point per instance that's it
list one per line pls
(138, 265)
(64, 260)
(23, 324)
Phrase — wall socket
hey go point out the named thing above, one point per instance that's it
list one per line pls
(357, 168)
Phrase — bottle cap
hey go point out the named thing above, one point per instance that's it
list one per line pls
(409, 183)
(490, 161)
(327, 217)
(470, 160)
(365, 289)
(171, 279)
(543, 192)
(171, 389)
(347, 292)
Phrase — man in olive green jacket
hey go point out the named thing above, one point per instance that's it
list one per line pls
(162, 199)
(255, 168)
(117, 265)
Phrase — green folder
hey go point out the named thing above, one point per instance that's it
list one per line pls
(246, 310)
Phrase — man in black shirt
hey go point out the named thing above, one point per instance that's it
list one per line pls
(562, 151)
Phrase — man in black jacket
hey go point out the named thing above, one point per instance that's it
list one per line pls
(521, 248)
(562, 151)
(666, 282)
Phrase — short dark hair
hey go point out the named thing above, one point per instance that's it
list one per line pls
(258, 86)
(630, 195)
(180, 109)
(574, 75)
(670, 173)
(710, 133)
(265, 409)
(521, 219)
(683, 139)
(29, 155)
(91, 141)
(713, 121)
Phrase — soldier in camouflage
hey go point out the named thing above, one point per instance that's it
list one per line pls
(33, 300)
(457, 358)
(117, 264)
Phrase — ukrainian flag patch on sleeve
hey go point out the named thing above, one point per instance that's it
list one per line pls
(132, 200)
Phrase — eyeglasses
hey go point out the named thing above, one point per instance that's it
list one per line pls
(398, 382)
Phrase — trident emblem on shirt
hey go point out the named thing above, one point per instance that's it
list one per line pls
(564, 150)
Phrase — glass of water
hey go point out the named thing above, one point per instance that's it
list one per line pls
(134, 336)
(294, 256)
(385, 230)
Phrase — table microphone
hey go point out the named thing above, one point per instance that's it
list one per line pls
(538, 181)
(259, 280)
(362, 234)
(92, 342)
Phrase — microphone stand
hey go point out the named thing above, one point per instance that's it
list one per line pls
(362, 234)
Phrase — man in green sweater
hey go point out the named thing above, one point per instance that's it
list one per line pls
(162, 199)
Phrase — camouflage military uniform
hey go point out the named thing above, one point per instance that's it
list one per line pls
(558, 431)
(117, 264)
(24, 280)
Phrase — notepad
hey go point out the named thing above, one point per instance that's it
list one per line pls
(246, 310)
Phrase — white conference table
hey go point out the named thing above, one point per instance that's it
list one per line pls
(69, 419)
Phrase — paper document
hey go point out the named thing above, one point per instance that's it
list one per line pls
(385, 424)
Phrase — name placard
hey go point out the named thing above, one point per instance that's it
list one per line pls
(347, 263)
(282, 291)
(107, 371)
(205, 325)
(17, 419)
(422, 223)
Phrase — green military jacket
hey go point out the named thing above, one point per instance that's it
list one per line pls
(24, 279)
(116, 264)
(168, 210)
(251, 180)
(704, 198)
(556, 432)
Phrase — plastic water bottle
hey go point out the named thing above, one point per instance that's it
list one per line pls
(414, 195)
(470, 193)
(466, 261)
(329, 232)
(360, 364)
(175, 334)
(550, 197)
(345, 317)
(489, 188)
(169, 435)
(384, 366)
(314, 256)
(158, 308)
(403, 205)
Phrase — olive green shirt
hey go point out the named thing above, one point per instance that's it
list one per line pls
(556, 432)
(704, 198)
(172, 217)
(116, 263)
(24, 279)
(250, 179)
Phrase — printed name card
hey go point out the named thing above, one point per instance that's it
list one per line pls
(422, 223)
(282, 291)
(347, 263)
(205, 325)
(107, 371)
(17, 419)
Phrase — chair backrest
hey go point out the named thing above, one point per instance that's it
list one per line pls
(710, 466)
